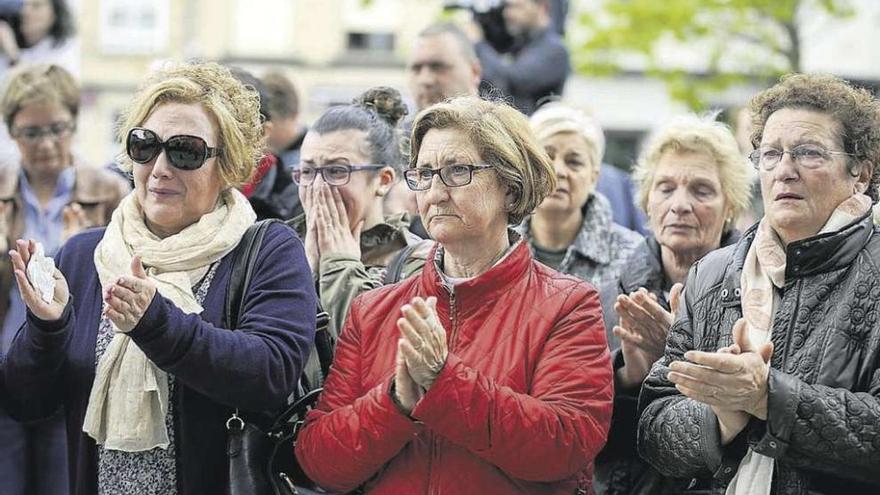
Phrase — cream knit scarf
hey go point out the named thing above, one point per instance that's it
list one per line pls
(129, 397)
(763, 270)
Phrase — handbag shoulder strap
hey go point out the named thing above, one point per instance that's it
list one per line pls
(243, 262)
(394, 271)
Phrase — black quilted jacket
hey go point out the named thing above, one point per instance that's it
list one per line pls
(823, 424)
(619, 469)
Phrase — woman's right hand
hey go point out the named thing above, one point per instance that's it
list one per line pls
(642, 331)
(51, 311)
(313, 254)
(406, 391)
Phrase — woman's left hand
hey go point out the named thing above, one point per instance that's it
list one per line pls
(734, 380)
(127, 299)
(424, 341)
(334, 233)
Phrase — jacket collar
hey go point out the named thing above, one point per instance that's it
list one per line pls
(480, 290)
(592, 241)
(805, 258)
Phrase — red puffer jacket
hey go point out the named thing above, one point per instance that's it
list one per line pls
(522, 405)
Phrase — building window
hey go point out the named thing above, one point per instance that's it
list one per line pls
(134, 28)
(372, 42)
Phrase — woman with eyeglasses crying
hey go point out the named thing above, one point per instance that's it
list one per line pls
(486, 373)
(133, 345)
(770, 380)
(48, 196)
(350, 159)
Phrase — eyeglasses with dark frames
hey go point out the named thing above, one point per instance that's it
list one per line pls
(34, 133)
(334, 175)
(456, 175)
(183, 151)
(809, 156)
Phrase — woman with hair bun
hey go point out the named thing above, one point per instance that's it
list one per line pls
(351, 157)
(488, 372)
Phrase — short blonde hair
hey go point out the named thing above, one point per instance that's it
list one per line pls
(39, 84)
(504, 140)
(696, 134)
(234, 107)
(554, 118)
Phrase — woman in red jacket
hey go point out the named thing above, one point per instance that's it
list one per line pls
(488, 373)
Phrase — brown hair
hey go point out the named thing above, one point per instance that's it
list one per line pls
(504, 140)
(856, 109)
(43, 83)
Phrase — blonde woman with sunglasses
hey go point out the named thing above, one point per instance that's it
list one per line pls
(48, 195)
(132, 345)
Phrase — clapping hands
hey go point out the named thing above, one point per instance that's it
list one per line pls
(421, 351)
(642, 331)
(127, 299)
(733, 381)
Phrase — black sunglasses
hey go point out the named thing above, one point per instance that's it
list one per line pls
(183, 152)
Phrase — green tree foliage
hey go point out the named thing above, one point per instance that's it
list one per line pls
(740, 40)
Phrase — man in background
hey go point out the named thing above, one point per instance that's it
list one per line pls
(442, 64)
(271, 191)
(537, 65)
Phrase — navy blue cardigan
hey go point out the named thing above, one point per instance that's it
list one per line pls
(256, 367)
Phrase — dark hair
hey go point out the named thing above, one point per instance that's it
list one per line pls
(464, 43)
(377, 112)
(62, 29)
(283, 100)
(857, 111)
(251, 82)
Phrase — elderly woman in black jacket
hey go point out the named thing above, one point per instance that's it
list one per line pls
(770, 382)
(693, 184)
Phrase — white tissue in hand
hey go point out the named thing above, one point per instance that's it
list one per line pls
(41, 273)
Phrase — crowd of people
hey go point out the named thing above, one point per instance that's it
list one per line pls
(501, 321)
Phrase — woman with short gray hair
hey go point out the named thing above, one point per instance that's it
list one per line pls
(770, 382)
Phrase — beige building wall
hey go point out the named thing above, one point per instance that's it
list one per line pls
(308, 39)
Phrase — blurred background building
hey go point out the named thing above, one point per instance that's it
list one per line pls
(333, 49)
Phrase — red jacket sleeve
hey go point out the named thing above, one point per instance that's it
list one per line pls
(352, 432)
(554, 431)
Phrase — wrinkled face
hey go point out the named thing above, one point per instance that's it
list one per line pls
(459, 215)
(348, 147)
(686, 207)
(520, 15)
(799, 201)
(576, 172)
(439, 70)
(37, 17)
(50, 152)
(173, 199)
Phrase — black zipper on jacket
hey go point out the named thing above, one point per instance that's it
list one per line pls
(788, 333)
(453, 313)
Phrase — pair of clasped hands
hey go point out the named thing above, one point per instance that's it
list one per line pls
(421, 351)
(732, 380)
(125, 300)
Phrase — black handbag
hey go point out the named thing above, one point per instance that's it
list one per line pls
(260, 451)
